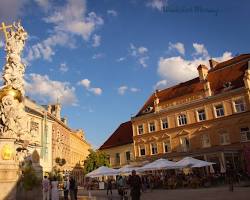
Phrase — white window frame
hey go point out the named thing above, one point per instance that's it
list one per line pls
(149, 127)
(140, 148)
(226, 138)
(243, 134)
(198, 114)
(205, 140)
(155, 146)
(168, 145)
(243, 105)
(164, 121)
(140, 129)
(215, 110)
(182, 118)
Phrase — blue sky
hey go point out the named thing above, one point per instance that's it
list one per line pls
(103, 59)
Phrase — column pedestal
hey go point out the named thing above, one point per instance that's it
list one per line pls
(8, 169)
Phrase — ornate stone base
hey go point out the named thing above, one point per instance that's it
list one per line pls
(8, 169)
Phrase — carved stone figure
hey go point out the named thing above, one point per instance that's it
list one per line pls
(13, 120)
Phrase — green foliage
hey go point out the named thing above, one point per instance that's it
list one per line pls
(29, 178)
(94, 160)
(60, 161)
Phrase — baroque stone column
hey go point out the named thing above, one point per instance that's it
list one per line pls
(12, 114)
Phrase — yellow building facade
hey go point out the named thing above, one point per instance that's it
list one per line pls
(207, 117)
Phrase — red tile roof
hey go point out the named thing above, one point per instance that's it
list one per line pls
(228, 71)
(123, 135)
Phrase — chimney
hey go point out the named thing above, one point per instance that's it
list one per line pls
(247, 77)
(58, 111)
(203, 71)
(213, 63)
(49, 108)
(156, 101)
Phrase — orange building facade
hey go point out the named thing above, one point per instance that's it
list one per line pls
(207, 117)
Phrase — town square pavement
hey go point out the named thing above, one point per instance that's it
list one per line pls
(218, 193)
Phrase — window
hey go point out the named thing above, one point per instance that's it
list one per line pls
(239, 105)
(128, 155)
(164, 123)
(205, 140)
(142, 151)
(185, 143)
(224, 138)
(219, 110)
(140, 129)
(153, 149)
(182, 120)
(166, 146)
(201, 115)
(151, 127)
(117, 159)
(108, 157)
(244, 134)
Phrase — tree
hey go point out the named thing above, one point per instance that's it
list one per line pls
(94, 160)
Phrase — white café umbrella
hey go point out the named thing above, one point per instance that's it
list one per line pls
(102, 171)
(192, 162)
(158, 165)
(127, 169)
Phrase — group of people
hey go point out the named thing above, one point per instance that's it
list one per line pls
(51, 188)
(133, 182)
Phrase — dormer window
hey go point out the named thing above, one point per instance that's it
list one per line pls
(148, 109)
(227, 85)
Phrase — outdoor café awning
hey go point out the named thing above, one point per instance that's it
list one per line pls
(158, 165)
(102, 171)
(192, 162)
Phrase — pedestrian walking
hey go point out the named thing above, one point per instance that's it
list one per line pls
(109, 186)
(230, 176)
(72, 185)
(54, 189)
(46, 188)
(66, 188)
(135, 186)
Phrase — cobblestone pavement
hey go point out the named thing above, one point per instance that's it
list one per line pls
(219, 193)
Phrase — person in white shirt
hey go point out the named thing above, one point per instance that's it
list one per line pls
(46, 188)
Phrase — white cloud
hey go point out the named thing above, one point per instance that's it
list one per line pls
(177, 46)
(200, 50)
(96, 40)
(121, 59)
(68, 21)
(96, 91)
(139, 53)
(45, 50)
(142, 61)
(157, 4)
(122, 89)
(10, 10)
(160, 84)
(43, 88)
(142, 50)
(73, 19)
(112, 13)
(97, 56)
(63, 67)
(178, 69)
(86, 83)
(134, 89)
